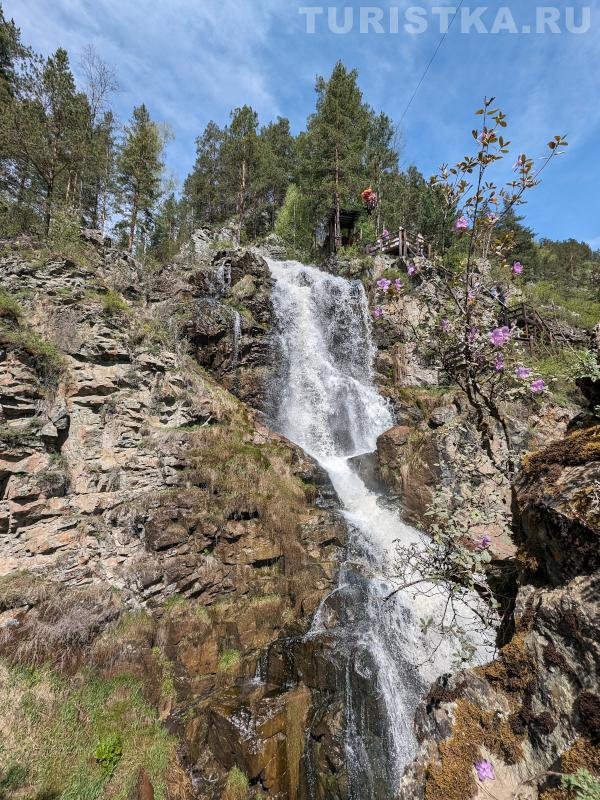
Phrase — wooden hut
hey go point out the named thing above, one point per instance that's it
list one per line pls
(348, 220)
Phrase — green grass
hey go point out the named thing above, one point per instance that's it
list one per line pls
(167, 684)
(174, 601)
(558, 368)
(225, 244)
(14, 436)
(47, 359)
(113, 303)
(237, 786)
(573, 306)
(229, 661)
(10, 308)
(81, 738)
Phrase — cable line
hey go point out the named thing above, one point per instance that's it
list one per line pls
(431, 60)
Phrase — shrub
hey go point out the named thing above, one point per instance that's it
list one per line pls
(64, 236)
(113, 303)
(109, 751)
(583, 784)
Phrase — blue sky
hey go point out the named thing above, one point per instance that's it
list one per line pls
(193, 60)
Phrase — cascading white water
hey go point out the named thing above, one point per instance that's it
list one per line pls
(326, 403)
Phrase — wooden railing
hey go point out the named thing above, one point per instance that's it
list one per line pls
(534, 327)
(405, 244)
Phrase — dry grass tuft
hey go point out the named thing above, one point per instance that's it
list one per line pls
(60, 627)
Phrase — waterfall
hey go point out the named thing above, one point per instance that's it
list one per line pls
(235, 344)
(324, 400)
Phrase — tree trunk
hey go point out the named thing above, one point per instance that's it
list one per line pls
(48, 210)
(242, 201)
(337, 225)
(132, 225)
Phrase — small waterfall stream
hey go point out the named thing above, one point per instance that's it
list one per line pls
(325, 401)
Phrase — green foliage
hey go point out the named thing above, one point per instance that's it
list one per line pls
(47, 360)
(203, 191)
(43, 134)
(559, 368)
(587, 365)
(568, 303)
(113, 303)
(139, 170)
(519, 241)
(237, 786)
(64, 234)
(584, 785)
(166, 236)
(228, 661)
(10, 308)
(294, 223)
(569, 263)
(109, 751)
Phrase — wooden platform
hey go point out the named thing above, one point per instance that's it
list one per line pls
(404, 244)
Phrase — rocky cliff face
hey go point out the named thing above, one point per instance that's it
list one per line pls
(534, 711)
(151, 526)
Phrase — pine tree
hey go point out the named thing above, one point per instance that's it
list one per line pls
(139, 170)
(333, 151)
(523, 247)
(275, 167)
(11, 52)
(381, 160)
(239, 158)
(203, 188)
(165, 236)
(44, 131)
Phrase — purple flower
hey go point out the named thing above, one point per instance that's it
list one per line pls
(523, 372)
(384, 284)
(485, 771)
(377, 312)
(492, 219)
(411, 269)
(538, 386)
(499, 336)
(470, 295)
(517, 268)
(445, 325)
(499, 364)
(484, 542)
(472, 335)
(397, 284)
(461, 224)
